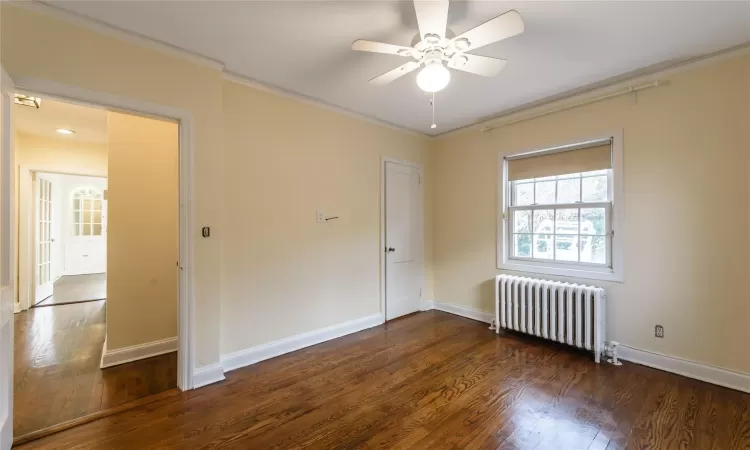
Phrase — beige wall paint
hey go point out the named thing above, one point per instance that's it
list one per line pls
(38, 46)
(687, 206)
(142, 236)
(60, 156)
(283, 273)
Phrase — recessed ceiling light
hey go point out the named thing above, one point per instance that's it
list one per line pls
(65, 131)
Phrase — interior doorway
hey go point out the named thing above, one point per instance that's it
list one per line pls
(403, 236)
(98, 236)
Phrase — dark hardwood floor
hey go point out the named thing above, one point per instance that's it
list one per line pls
(56, 368)
(432, 380)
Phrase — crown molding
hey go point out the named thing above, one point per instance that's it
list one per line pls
(98, 26)
(604, 89)
(261, 86)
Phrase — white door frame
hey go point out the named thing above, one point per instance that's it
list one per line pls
(7, 259)
(26, 227)
(186, 304)
(420, 236)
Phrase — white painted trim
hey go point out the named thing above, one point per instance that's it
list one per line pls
(134, 353)
(460, 310)
(54, 12)
(262, 352)
(617, 272)
(420, 169)
(186, 304)
(206, 375)
(17, 308)
(286, 93)
(691, 369)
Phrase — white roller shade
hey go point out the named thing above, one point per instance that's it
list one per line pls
(586, 159)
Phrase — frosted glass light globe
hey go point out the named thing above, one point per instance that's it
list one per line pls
(433, 78)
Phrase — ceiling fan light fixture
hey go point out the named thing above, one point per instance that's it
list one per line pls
(433, 78)
(461, 44)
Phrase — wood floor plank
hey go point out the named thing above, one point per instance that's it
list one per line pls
(431, 380)
(57, 378)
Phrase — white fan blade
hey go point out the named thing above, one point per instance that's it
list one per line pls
(432, 16)
(380, 47)
(395, 73)
(497, 29)
(479, 65)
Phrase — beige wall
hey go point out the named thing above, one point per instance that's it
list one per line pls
(687, 201)
(142, 236)
(283, 273)
(39, 46)
(60, 155)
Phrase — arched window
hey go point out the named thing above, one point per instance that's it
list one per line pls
(87, 212)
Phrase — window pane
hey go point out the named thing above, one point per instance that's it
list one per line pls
(97, 229)
(522, 222)
(97, 205)
(522, 245)
(76, 229)
(76, 204)
(569, 191)
(544, 220)
(87, 204)
(87, 229)
(593, 249)
(545, 193)
(566, 221)
(543, 246)
(87, 217)
(593, 221)
(97, 217)
(594, 189)
(566, 248)
(524, 194)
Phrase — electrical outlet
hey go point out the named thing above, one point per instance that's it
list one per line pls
(320, 216)
(659, 331)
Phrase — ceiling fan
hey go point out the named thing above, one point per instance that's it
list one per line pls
(435, 47)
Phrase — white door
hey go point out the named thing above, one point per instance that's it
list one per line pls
(43, 280)
(403, 234)
(86, 245)
(7, 269)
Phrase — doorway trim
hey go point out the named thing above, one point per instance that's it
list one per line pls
(420, 249)
(112, 102)
(25, 262)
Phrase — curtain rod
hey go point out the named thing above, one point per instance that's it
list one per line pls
(629, 90)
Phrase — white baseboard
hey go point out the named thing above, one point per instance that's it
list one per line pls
(17, 307)
(141, 351)
(463, 311)
(710, 374)
(259, 353)
(206, 375)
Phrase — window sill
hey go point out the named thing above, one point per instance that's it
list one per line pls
(562, 271)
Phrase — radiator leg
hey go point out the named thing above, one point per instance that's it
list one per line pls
(493, 325)
(613, 348)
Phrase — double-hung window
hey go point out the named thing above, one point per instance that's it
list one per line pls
(559, 210)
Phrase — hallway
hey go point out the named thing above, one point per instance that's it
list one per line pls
(56, 367)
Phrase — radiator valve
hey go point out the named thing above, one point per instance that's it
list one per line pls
(493, 325)
(612, 349)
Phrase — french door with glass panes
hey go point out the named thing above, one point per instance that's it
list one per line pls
(43, 261)
(86, 249)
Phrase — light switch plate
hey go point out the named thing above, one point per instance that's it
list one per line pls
(320, 216)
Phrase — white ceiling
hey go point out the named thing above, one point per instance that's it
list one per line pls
(304, 47)
(89, 124)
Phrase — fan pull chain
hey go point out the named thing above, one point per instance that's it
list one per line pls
(433, 111)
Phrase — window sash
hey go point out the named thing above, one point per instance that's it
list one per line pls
(608, 234)
(512, 187)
